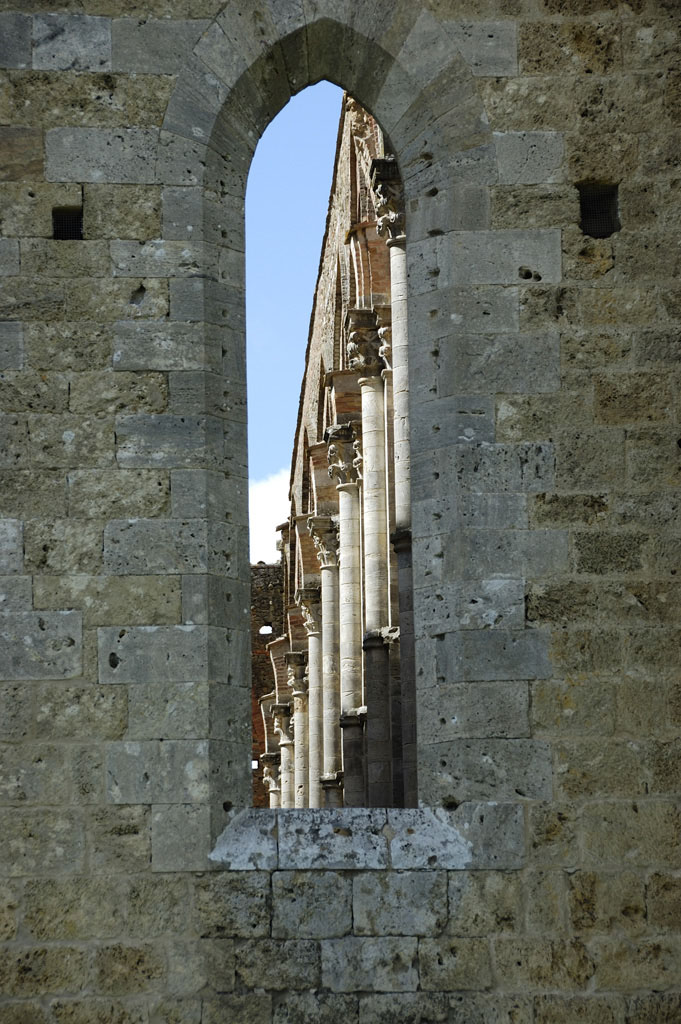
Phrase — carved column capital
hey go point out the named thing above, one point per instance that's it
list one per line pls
(324, 533)
(281, 713)
(363, 342)
(296, 662)
(341, 454)
(309, 601)
(388, 200)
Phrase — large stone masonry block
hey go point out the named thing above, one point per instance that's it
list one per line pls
(11, 346)
(43, 841)
(101, 155)
(399, 903)
(508, 257)
(163, 345)
(468, 419)
(311, 905)
(176, 442)
(168, 546)
(160, 258)
(71, 42)
(454, 710)
(201, 493)
(333, 840)
(529, 158)
(526, 553)
(450, 964)
(471, 604)
(164, 771)
(15, 593)
(490, 48)
(298, 964)
(492, 654)
(515, 363)
(41, 645)
(489, 769)
(356, 964)
(140, 654)
(9, 257)
(501, 467)
(21, 153)
(482, 310)
(168, 711)
(15, 40)
(153, 47)
(180, 837)
(11, 546)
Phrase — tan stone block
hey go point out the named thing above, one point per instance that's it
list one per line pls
(103, 600)
(120, 839)
(27, 391)
(607, 902)
(126, 969)
(311, 905)
(539, 417)
(73, 909)
(637, 964)
(9, 904)
(592, 1009)
(534, 206)
(573, 706)
(24, 1013)
(528, 103)
(640, 705)
(63, 546)
(194, 966)
(593, 349)
(110, 392)
(603, 553)
(545, 901)
(70, 440)
(592, 458)
(156, 906)
(654, 1008)
(568, 509)
(653, 458)
(129, 493)
(663, 896)
(98, 1011)
(68, 346)
(577, 651)
(174, 1010)
(542, 963)
(564, 47)
(33, 774)
(23, 298)
(70, 712)
(586, 258)
(592, 156)
(654, 652)
(663, 762)
(86, 770)
(22, 153)
(298, 964)
(451, 963)
(109, 299)
(553, 833)
(641, 205)
(48, 258)
(483, 902)
(640, 833)
(25, 493)
(254, 1008)
(651, 41)
(26, 209)
(122, 211)
(40, 970)
(234, 904)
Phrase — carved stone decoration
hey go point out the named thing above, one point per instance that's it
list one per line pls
(341, 454)
(358, 459)
(388, 200)
(308, 599)
(324, 533)
(363, 342)
(281, 713)
(295, 663)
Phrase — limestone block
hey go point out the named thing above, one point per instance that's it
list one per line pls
(153, 47)
(254, 1008)
(168, 711)
(492, 769)
(180, 161)
(76, 908)
(98, 1011)
(70, 441)
(466, 419)
(26, 493)
(590, 459)
(535, 417)
(399, 903)
(601, 902)
(179, 841)
(656, 1006)
(464, 207)
(9, 257)
(193, 966)
(111, 492)
(315, 1008)
(170, 771)
(38, 970)
(538, 963)
(60, 546)
(406, 1007)
(454, 710)
(502, 467)
(15, 593)
(487, 655)
(214, 599)
(429, 837)
(236, 904)
(631, 398)
(77, 42)
(484, 902)
(36, 776)
(529, 158)
(556, 1009)
(463, 258)
(489, 47)
(67, 346)
(183, 214)
(663, 896)
(644, 834)
(141, 546)
(164, 345)
(494, 511)
(29, 391)
(94, 155)
(570, 706)
(11, 546)
(121, 211)
(311, 906)
(449, 964)
(160, 258)
(490, 1008)
(102, 599)
(124, 969)
(45, 645)
(100, 393)
(370, 964)
(153, 653)
(178, 442)
(517, 363)
(537, 206)
(11, 346)
(330, 839)
(22, 153)
(564, 47)
(120, 839)
(471, 604)
(44, 841)
(71, 712)
(8, 917)
(524, 553)
(15, 40)
(48, 258)
(298, 964)
(111, 299)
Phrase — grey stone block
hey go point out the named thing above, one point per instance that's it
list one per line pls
(249, 843)
(459, 418)
(427, 837)
(494, 654)
(15, 593)
(153, 47)
(452, 964)
(464, 207)
(44, 842)
(208, 598)
(168, 711)
(517, 363)
(175, 442)
(343, 839)
(496, 833)
(153, 654)
(11, 345)
(161, 258)
(170, 771)
(405, 1007)
(484, 467)
(356, 964)
(168, 546)
(529, 158)
(308, 905)
(9, 257)
(196, 100)
(71, 42)
(507, 257)
(489, 47)
(180, 161)
(15, 40)
(487, 769)
(453, 710)
(399, 903)
(471, 604)
(97, 154)
(41, 645)
(201, 493)
(163, 345)
(483, 310)
(11, 546)
(526, 553)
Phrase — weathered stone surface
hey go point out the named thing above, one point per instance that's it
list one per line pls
(153, 46)
(71, 440)
(52, 546)
(122, 969)
(137, 546)
(399, 903)
(235, 904)
(22, 153)
(15, 40)
(109, 299)
(41, 645)
(315, 1008)
(71, 41)
(120, 839)
(98, 1011)
(488, 655)
(408, 1008)
(450, 964)
(636, 964)
(349, 838)
(542, 962)
(41, 842)
(11, 546)
(71, 712)
(254, 1008)
(179, 837)
(133, 599)
(298, 964)
(634, 833)
(498, 467)
(121, 211)
(373, 965)
(37, 777)
(311, 906)
(33, 392)
(529, 158)
(471, 605)
(600, 902)
(578, 1010)
(108, 493)
(178, 442)
(11, 346)
(124, 155)
(454, 710)
(39, 970)
(493, 769)
(67, 346)
(16, 711)
(487, 257)
(162, 346)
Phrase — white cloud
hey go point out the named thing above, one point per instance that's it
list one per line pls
(268, 508)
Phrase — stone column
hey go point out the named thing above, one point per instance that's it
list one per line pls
(341, 468)
(309, 602)
(363, 348)
(270, 777)
(282, 728)
(295, 661)
(325, 537)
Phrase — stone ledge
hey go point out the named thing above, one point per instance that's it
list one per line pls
(475, 835)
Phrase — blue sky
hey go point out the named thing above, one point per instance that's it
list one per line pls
(286, 204)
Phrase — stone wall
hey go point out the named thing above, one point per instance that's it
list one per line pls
(544, 383)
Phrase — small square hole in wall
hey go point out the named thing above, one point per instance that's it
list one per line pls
(67, 222)
(599, 209)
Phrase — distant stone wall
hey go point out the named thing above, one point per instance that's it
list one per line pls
(544, 383)
(267, 609)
